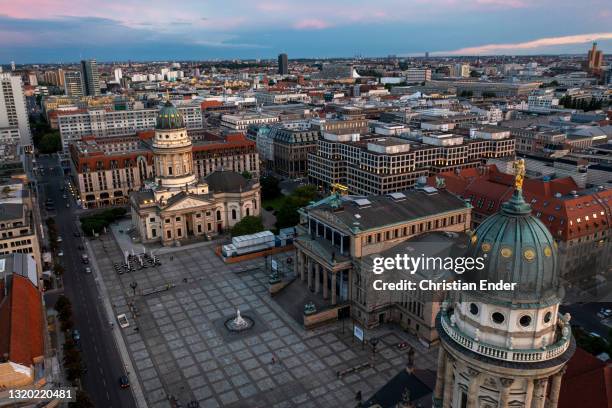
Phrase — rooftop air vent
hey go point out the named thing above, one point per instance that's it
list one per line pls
(397, 196)
(363, 202)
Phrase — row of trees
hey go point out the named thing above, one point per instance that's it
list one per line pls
(73, 363)
(97, 222)
(287, 215)
(582, 103)
(58, 269)
(45, 139)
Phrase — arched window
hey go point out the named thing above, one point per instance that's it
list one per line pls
(218, 215)
(247, 211)
(233, 214)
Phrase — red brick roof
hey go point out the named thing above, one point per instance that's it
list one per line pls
(566, 217)
(587, 382)
(21, 323)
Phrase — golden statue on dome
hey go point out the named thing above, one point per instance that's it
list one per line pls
(519, 173)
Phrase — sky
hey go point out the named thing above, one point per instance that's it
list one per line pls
(55, 31)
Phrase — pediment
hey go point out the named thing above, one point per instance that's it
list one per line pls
(186, 203)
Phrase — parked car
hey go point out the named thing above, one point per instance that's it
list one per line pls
(124, 382)
(76, 336)
(59, 238)
(87, 270)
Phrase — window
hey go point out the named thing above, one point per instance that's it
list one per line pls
(473, 309)
(170, 170)
(247, 212)
(152, 219)
(167, 220)
(179, 233)
(525, 321)
(218, 215)
(153, 232)
(178, 218)
(498, 317)
(233, 214)
(169, 234)
(547, 317)
(199, 228)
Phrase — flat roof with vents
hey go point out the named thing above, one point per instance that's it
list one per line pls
(397, 196)
(363, 202)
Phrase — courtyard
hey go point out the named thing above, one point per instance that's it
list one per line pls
(181, 350)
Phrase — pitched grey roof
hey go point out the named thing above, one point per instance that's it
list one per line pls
(227, 182)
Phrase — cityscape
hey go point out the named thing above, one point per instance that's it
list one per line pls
(280, 204)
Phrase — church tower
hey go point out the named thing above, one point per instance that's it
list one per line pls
(172, 150)
(506, 349)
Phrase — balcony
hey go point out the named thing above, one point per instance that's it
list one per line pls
(500, 353)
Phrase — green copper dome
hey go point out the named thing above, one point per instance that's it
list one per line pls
(517, 248)
(169, 118)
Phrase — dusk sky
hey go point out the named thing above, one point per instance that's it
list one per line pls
(65, 31)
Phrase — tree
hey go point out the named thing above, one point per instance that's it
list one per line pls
(62, 303)
(247, 225)
(50, 143)
(247, 175)
(269, 187)
(287, 215)
(58, 269)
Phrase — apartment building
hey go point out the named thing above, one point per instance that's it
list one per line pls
(17, 223)
(104, 123)
(339, 236)
(417, 75)
(13, 113)
(273, 98)
(380, 165)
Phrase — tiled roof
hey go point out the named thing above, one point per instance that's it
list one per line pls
(21, 322)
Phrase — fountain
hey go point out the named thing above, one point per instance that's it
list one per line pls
(238, 323)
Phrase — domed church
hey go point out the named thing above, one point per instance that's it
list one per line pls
(502, 349)
(176, 205)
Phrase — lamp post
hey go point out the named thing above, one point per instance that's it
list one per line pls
(134, 285)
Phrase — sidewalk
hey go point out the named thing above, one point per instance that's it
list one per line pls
(117, 336)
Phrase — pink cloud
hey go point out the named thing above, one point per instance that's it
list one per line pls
(311, 24)
(529, 45)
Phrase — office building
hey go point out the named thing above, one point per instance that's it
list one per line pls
(462, 70)
(102, 123)
(595, 58)
(506, 348)
(14, 114)
(73, 84)
(180, 206)
(90, 77)
(118, 75)
(380, 165)
(417, 75)
(291, 146)
(241, 121)
(283, 64)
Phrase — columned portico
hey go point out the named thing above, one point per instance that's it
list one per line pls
(555, 389)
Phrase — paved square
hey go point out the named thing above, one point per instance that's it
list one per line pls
(180, 349)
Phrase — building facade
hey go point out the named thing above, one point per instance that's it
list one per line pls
(73, 83)
(106, 170)
(13, 112)
(339, 236)
(380, 165)
(90, 77)
(179, 205)
(506, 348)
(103, 123)
(283, 64)
(292, 145)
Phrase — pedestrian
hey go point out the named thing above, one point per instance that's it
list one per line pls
(273, 360)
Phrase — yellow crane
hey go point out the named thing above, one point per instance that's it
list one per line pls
(341, 188)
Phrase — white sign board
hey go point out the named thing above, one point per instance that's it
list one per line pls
(358, 332)
(274, 265)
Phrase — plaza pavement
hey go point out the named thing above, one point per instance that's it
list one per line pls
(181, 348)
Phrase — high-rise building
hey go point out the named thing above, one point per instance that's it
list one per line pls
(283, 64)
(73, 84)
(118, 75)
(12, 65)
(595, 58)
(506, 348)
(91, 77)
(13, 112)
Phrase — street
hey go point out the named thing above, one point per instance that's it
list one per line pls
(103, 362)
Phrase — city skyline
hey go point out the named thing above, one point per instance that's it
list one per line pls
(38, 32)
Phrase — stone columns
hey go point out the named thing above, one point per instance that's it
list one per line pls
(333, 289)
(309, 269)
(440, 374)
(504, 395)
(472, 399)
(555, 388)
(540, 393)
(317, 278)
(296, 262)
(302, 261)
(448, 383)
(529, 393)
(325, 290)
